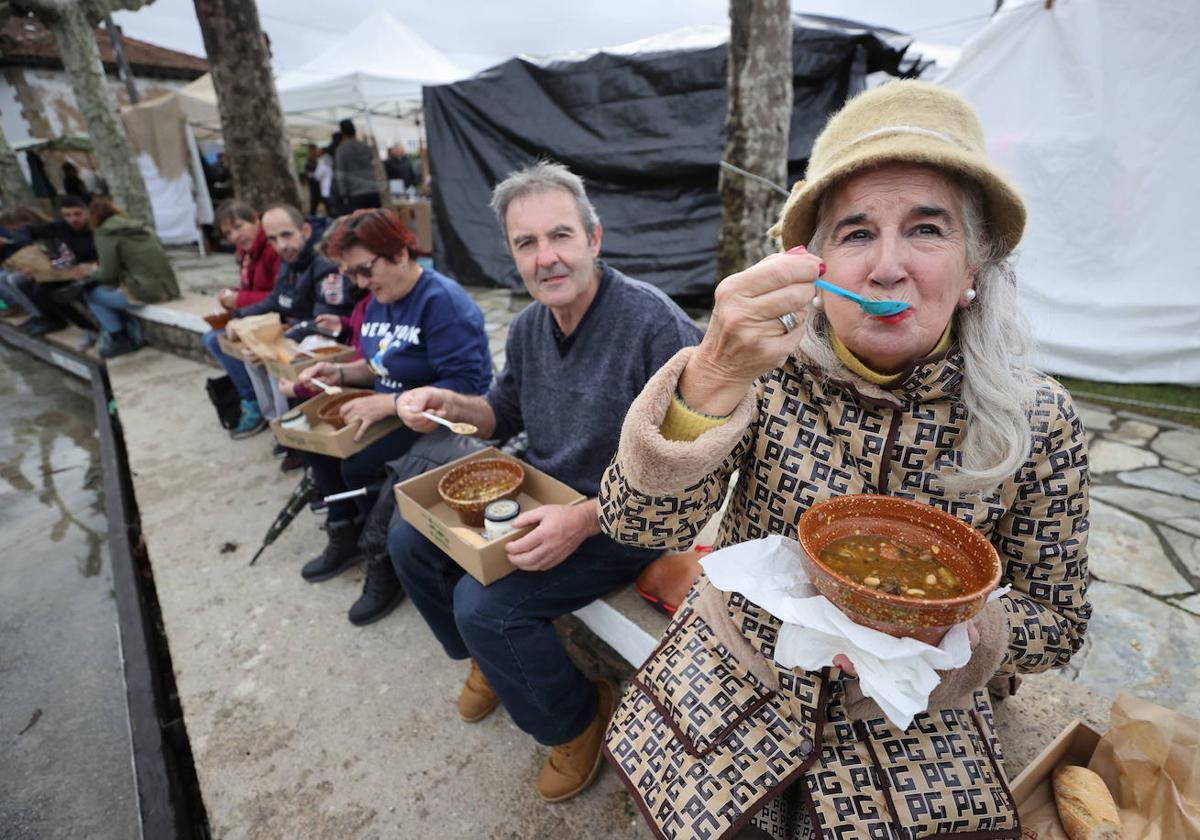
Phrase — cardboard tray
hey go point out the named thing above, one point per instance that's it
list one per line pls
(423, 508)
(323, 439)
(291, 370)
(1074, 745)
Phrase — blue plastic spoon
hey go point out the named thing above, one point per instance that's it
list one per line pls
(879, 308)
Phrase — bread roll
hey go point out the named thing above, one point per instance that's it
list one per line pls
(1085, 807)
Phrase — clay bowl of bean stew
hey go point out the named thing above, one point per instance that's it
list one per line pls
(331, 410)
(471, 487)
(901, 567)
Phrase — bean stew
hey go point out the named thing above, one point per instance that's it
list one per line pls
(892, 566)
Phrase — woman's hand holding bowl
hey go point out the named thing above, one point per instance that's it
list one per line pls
(746, 336)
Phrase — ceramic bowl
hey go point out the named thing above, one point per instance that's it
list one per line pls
(471, 487)
(331, 411)
(217, 321)
(965, 552)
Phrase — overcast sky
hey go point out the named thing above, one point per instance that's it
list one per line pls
(479, 33)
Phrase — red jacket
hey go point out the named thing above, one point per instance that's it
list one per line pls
(260, 267)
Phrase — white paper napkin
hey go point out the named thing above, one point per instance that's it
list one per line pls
(898, 674)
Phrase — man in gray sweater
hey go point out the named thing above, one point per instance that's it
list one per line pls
(354, 180)
(575, 360)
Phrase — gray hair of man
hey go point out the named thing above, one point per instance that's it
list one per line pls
(995, 339)
(541, 177)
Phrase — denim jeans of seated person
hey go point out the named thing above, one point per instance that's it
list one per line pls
(236, 368)
(506, 627)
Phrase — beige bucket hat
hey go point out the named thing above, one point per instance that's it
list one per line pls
(908, 122)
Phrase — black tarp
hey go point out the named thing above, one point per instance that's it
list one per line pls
(644, 130)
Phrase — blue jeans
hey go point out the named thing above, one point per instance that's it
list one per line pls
(236, 368)
(507, 626)
(109, 305)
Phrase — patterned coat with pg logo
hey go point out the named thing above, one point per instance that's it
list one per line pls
(712, 729)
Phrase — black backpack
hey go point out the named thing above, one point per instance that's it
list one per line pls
(225, 400)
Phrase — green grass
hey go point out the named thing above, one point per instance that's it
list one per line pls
(1182, 396)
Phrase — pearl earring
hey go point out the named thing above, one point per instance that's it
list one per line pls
(816, 301)
(970, 295)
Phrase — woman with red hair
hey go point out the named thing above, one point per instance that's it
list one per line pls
(419, 328)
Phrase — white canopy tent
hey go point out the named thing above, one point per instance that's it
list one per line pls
(1088, 105)
(376, 71)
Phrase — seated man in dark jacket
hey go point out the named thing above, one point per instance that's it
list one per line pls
(308, 286)
(71, 244)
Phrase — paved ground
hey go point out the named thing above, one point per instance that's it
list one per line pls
(65, 767)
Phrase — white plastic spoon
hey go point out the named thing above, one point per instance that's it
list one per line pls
(457, 428)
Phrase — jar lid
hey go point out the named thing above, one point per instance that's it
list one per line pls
(502, 510)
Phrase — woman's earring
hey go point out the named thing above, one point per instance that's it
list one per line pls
(816, 301)
(969, 295)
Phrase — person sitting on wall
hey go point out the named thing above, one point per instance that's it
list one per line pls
(133, 270)
(71, 244)
(575, 360)
(308, 286)
(259, 266)
(15, 284)
(419, 328)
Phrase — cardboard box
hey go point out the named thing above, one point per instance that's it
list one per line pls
(324, 439)
(418, 217)
(423, 508)
(291, 370)
(1074, 745)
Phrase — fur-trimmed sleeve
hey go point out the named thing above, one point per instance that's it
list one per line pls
(659, 493)
(1042, 541)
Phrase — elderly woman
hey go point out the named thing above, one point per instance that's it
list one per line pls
(807, 397)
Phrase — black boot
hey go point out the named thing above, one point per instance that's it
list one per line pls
(381, 592)
(341, 553)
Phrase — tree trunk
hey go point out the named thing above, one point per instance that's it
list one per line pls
(251, 119)
(756, 130)
(13, 187)
(76, 40)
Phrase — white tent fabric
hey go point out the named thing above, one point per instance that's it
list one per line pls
(1091, 107)
(379, 66)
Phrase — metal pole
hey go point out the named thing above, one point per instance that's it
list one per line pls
(118, 48)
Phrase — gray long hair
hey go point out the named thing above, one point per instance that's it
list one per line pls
(995, 339)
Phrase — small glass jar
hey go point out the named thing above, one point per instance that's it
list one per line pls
(498, 517)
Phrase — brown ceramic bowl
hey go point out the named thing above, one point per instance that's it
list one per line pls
(331, 411)
(471, 487)
(965, 552)
(218, 320)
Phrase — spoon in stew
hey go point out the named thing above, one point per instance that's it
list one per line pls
(457, 428)
(878, 308)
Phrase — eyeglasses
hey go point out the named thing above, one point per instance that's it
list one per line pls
(363, 271)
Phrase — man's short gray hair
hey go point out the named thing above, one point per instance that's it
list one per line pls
(541, 177)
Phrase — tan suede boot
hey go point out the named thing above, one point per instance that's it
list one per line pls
(572, 766)
(477, 699)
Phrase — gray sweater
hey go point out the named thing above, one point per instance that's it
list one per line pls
(572, 401)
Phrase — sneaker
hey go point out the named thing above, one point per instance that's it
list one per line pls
(251, 423)
(291, 461)
(381, 592)
(278, 450)
(118, 344)
(88, 341)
